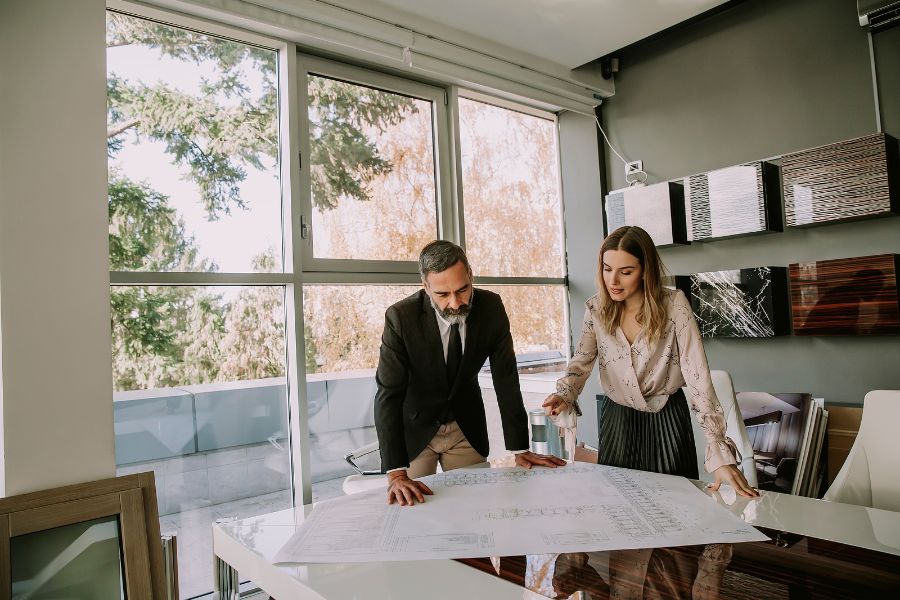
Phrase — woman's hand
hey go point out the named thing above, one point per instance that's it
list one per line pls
(732, 475)
(553, 405)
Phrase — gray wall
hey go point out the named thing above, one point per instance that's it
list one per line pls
(54, 259)
(758, 80)
(584, 231)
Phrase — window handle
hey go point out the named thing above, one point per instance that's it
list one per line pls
(304, 227)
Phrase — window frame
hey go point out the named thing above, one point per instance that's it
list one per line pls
(290, 278)
(456, 94)
(311, 65)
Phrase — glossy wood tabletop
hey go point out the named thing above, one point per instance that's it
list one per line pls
(787, 566)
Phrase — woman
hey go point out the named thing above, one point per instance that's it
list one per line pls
(649, 347)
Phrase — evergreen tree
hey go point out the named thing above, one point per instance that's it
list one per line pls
(165, 336)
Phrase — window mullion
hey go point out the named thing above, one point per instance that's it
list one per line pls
(295, 203)
(453, 226)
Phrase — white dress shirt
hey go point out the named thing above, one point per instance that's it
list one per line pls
(444, 328)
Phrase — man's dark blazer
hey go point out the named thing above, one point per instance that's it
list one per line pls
(413, 390)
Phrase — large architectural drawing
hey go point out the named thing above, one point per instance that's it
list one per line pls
(503, 512)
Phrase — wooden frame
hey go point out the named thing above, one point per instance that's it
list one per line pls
(131, 498)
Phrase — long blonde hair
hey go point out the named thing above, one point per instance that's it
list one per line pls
(652, 316)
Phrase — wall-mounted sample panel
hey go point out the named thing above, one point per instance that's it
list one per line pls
(734, 201)
(741, 303)
(847, 296)
(658, 209)
(849, 180)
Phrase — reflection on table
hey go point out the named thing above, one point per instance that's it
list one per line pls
(789, 566)
(818, 550)
(685, 572)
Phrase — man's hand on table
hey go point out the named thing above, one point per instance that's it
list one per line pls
(530, 459)
(405, 491)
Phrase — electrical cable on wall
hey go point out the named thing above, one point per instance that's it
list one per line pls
(634, 174)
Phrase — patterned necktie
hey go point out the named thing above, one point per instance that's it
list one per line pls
(454, 353)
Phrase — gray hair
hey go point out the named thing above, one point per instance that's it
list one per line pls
(439, 256)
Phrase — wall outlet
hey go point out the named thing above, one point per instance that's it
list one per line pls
(635, 166)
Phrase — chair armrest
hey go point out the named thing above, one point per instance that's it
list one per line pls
(354, 455)
(853, 484)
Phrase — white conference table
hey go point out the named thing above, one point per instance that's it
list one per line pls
(248, 546)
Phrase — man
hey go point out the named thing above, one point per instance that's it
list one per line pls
(428, 407)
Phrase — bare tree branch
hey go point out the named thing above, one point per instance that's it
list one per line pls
(116, 128)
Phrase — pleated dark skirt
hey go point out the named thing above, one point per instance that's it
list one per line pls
(660, 442)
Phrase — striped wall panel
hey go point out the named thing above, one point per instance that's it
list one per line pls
(849, 180)
(847, 296)
(734, 201)
(741, 303)
(658, 209)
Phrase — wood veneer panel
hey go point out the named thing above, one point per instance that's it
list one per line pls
(658, 209)
(849, 180)
(847, 296)
(69, 492)
(138, 571)
(76, 511)
(734, 201)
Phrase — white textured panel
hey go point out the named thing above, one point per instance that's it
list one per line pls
(738, 206)
(649, 207)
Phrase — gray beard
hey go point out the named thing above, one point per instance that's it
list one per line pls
(454, 316)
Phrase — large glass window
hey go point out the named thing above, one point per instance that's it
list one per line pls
(372, 172)
(372, 144)
(199, 358)
(537, 321)
(375, 197)
(513, 223)
(342, 340)
(192, 134)
(203, 300)
(511, 192)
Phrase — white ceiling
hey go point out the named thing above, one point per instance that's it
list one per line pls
(566, 32)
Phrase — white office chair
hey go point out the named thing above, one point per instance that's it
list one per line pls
(734, 428)
(363, 479)
(869, 476)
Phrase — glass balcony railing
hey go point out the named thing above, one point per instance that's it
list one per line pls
(222, 450)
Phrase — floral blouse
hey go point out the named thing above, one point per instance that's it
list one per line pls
(643, 378)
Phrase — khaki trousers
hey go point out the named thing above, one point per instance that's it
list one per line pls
(449, 447)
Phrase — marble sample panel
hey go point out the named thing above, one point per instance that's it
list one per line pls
(734, 201)
(742, 303)
(848, 180)
(846, 296)
(658, 209)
